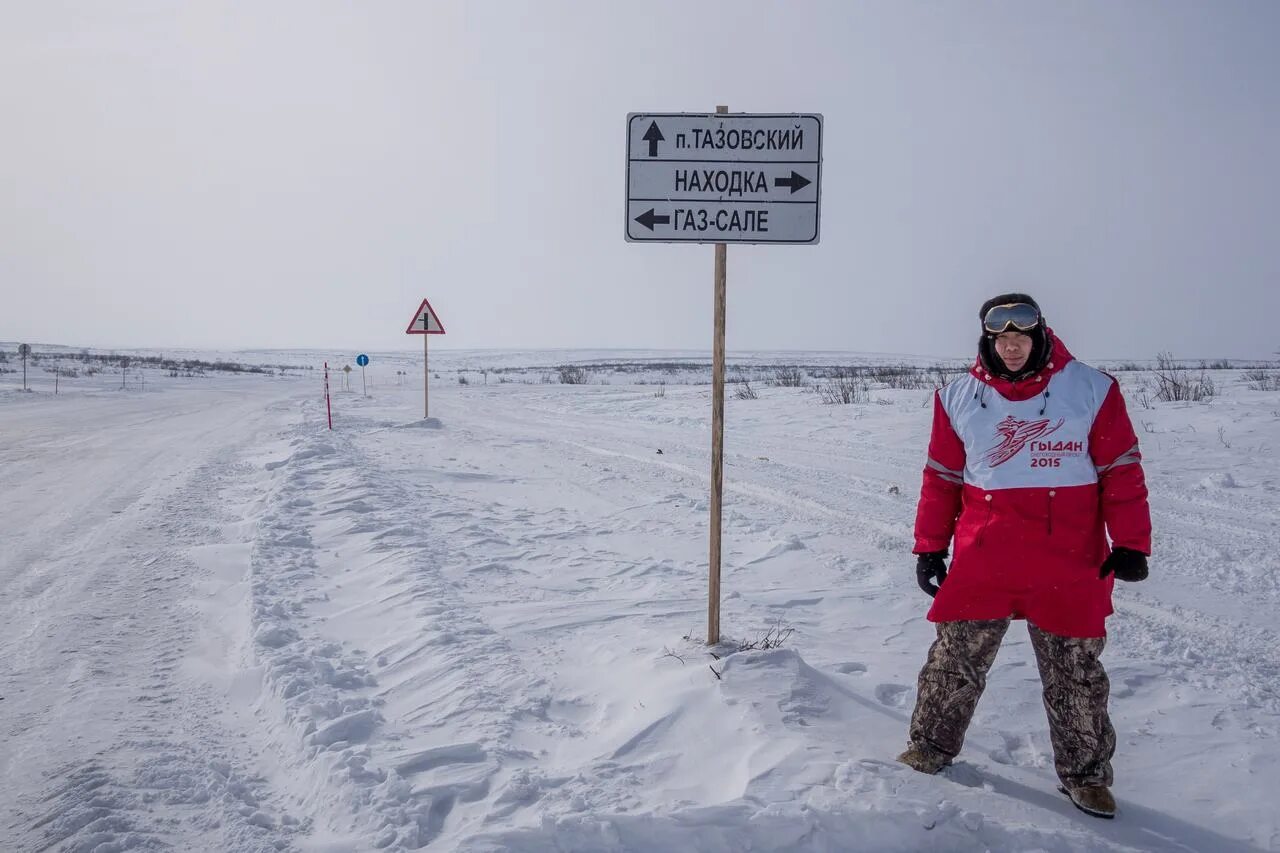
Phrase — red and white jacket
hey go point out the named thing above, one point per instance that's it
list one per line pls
(1029, 477)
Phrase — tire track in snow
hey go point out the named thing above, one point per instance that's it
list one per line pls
(851, 504)
(171, 776)
(392, 732)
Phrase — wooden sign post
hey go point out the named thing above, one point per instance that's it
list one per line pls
(717, 437)
(722, 178)
(425, 322)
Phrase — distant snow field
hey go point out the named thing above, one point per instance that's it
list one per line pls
(228, 628)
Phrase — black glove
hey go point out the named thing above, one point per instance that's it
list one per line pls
(928, 567)
(1128, 564)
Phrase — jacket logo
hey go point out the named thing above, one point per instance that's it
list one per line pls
(1016, 435)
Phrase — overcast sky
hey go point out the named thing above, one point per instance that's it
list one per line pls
(302, 174)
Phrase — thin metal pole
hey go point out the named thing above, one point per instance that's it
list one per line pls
(717, 442)
(328, 406)
(426, 375)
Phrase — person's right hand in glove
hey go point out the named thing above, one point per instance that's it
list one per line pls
(930, 567)
(1128, 564)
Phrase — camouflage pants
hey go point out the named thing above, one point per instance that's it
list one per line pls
(1075, 695)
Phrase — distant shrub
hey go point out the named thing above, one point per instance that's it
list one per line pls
(462, 380)
(1220, 364)
(573, 374)
(844, 390)
(789, 377)
(908, 378)
(941, 375)
(1175, 383)
(1262, 380)
(744, 391)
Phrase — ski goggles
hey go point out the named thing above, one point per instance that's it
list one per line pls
(1018, 316)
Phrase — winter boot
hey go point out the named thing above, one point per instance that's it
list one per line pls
(1095, 800)
(924, 759)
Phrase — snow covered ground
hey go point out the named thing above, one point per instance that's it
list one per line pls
(227, 628)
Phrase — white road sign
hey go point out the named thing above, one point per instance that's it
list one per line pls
(425, 321)
(723, 177)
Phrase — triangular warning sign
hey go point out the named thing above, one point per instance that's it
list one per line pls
(425, 321)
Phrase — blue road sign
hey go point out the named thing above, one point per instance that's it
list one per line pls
(362, 359)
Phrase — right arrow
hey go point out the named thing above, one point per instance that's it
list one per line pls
(653, 136)
(648, 219)
(797, 182)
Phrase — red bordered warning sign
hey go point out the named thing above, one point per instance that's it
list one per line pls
(425, 321)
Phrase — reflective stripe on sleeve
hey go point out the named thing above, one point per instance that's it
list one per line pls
(1129, 457)
(950, 475)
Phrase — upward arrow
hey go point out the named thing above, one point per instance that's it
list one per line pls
(653, 136)
(797, 182)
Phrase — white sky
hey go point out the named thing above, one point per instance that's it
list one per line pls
(301, 174)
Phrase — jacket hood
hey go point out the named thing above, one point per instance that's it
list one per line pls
(1030, 386)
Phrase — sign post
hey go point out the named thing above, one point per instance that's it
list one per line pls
(328, 406)
(722, 178)
(363, 361)
(425, 322)
(24, 350)
(717, 443)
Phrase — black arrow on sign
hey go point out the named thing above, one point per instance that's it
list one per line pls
(648, 219)
(797, 182)
(653, 136)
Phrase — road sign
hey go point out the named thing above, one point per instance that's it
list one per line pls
(362, 359)
(425, 321)
(723, 178)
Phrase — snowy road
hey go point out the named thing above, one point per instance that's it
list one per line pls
(108, 503)
(234, 630)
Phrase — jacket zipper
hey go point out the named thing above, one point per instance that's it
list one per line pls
(1051, 494)
(985, 521)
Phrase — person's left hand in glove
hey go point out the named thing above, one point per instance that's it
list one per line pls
(1128, 564)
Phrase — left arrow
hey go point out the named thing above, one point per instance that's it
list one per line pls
(653, 136)
(648, 219)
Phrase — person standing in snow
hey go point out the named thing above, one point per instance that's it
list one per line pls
(1032, 463)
